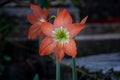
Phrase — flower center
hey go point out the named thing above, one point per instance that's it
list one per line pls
(61, 35)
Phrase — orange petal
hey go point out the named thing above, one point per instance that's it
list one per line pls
(47, 46)
(74, 29)
(35, 7)
(37, 11)
(63, 18)
(34, 31)
(59, 51)
(47, 28)
(60, 55)
(46, 12)
(45, 42)
(84, 20)
(31, 18)
(41, 35)
(70, 48)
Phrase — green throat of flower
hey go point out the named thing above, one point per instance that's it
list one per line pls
(61, 35)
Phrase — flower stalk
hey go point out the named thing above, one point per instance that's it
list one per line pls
(57, 70)
(74, 72)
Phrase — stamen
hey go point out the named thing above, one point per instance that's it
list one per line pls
(61, 35)
(42, 20)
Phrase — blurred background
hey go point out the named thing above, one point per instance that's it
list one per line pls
(98, 45)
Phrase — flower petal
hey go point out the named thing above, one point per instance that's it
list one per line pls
(60, 55)
(45, 42)
(34, 31)
(84, 20)
(46, 12)
(74, 29)
(47, 28)
(63, 18)
(70, 48)
(31, 18)
(41, 35)
(59, 51)
(37, 11)
(47, 46)
(35, 7)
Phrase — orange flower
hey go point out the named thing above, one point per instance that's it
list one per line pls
(60, 35)
(36, 18)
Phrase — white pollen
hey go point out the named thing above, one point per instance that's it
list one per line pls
(55, 33)
(42, 20)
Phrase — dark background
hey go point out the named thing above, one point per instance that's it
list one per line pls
(19, 58)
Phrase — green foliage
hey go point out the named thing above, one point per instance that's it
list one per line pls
(6, 24)
(53, 16)
(76, 2)
(31, 1)
(5, 27)
(7, 58)
(43, 3)
(36, 77)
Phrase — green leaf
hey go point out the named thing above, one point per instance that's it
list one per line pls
(76, 2)
(5, 27)
(52, 17)
(36, 77)
(43, 3)
(7, 58)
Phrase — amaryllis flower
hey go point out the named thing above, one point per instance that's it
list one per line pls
(36, 18)
(60, 35)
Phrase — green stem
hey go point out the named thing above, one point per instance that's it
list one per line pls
(57, 70)
(52, 17)
(74, 72)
